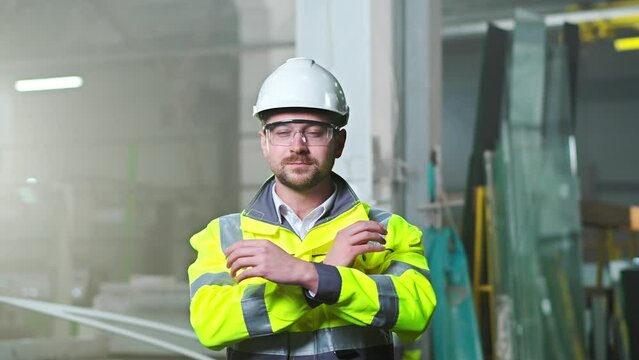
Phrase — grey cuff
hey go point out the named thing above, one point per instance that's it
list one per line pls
(329, 286)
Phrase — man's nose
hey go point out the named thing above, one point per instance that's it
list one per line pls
(299, 142)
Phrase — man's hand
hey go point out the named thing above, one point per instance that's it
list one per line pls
(354, 240)
(262, 258)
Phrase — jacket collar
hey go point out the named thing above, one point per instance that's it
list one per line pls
(262, 207)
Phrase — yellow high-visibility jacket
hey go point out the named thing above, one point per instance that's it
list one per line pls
(355, 308)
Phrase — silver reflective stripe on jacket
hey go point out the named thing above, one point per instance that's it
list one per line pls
(253, 303)
(254, 311)
(316, 342)
(221, 278)
(388, 312)
(379, 216)
(230, 230)
(397, 268)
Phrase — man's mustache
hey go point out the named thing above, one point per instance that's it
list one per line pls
(297, 159)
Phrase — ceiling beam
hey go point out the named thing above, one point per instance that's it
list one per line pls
(551, 20)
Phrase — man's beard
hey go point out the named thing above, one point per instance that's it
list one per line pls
(312, 176)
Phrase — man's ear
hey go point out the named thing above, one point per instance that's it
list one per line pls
(340, 141)
(263, 143)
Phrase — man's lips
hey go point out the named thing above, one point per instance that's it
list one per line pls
(298, 162)
(298, 165)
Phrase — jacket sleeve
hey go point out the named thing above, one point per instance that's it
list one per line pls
(222, 311)
(394, 293)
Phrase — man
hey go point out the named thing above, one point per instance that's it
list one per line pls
(307, 270)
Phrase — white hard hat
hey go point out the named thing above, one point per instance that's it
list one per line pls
(301, 82)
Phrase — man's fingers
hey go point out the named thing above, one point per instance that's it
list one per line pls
(379, 228)
(240, 253)
(360, 226)
(242, 263)
(375, 236)
(368, 248)
(238, 245)
(248, 273)
(246, 243)
(366, 236)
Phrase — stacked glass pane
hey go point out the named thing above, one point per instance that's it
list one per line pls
(534, 200)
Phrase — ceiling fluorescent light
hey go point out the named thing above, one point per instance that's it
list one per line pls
(627, 44)
(57, 83)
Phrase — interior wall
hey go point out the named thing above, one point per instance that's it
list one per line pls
(607, 123)
(262, 22)
(146, 151)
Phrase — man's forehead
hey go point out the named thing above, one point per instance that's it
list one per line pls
(297, 115)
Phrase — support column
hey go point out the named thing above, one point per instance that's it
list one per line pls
(6, 106)
(337, 34)
(418, 73)
(394, 93)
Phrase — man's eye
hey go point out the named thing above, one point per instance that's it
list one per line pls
(282, 133)
(315, 131)
(314, 134)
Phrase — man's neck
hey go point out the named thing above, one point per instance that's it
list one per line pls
(303, 203)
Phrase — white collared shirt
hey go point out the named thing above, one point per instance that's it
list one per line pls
(301, 227)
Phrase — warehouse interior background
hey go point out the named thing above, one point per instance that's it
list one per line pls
(102, 183)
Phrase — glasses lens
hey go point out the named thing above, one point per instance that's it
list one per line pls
(281, 134)
(315, 134)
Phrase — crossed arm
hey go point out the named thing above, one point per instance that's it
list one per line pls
(262, 258)
(239, 304)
